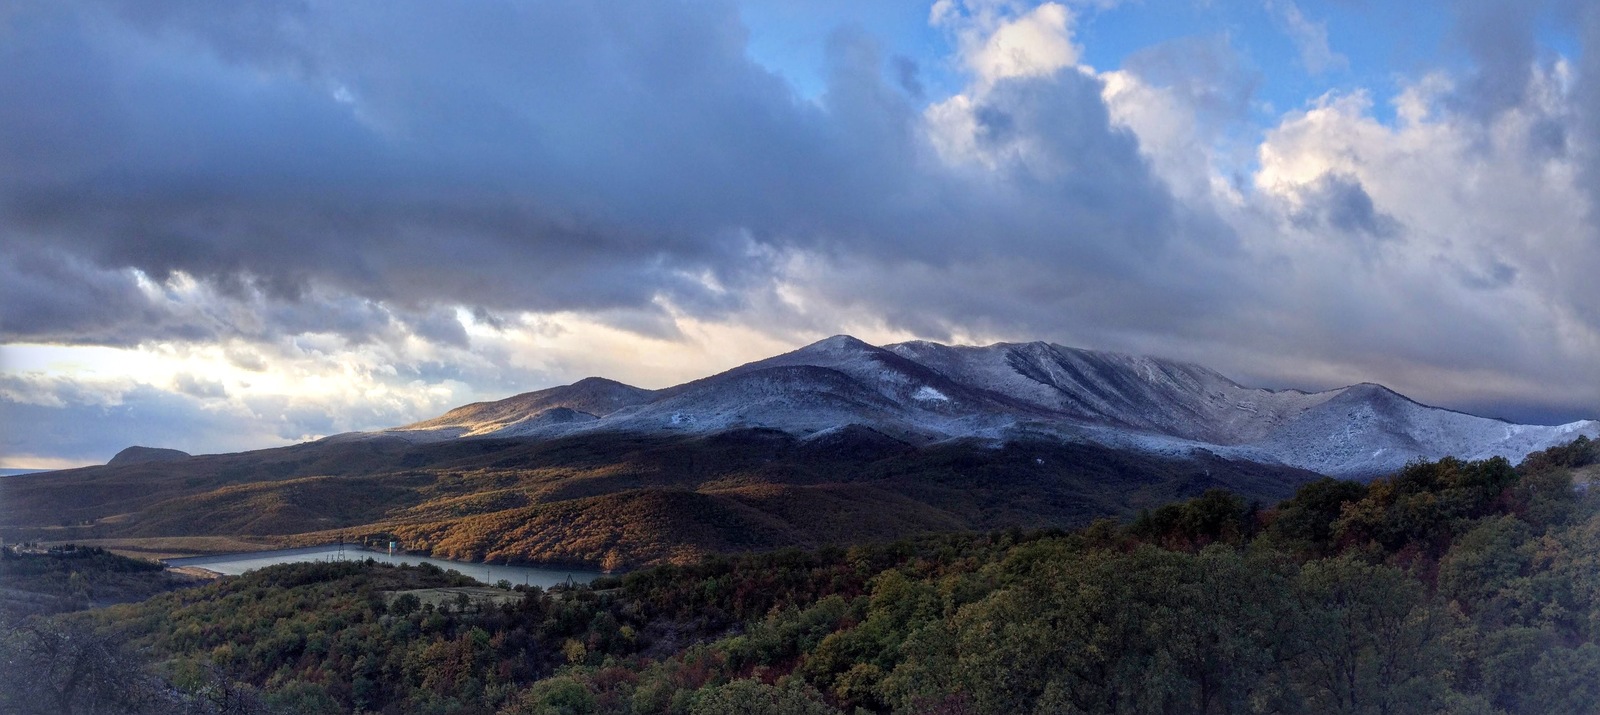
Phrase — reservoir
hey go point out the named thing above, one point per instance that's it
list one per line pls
(488, 574)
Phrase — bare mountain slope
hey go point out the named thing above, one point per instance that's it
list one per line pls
(642, 498)
(137, 454)
(582, 401)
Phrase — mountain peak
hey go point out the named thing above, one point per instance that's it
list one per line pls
(140, 455)
(597, 381)
(922, 392)
(839, 342)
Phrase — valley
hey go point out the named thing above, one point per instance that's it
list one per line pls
(1449, 586)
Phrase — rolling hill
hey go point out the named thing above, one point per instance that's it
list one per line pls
(632, 498)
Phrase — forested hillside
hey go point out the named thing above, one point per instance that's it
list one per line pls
(72, 578)
(1450, 587)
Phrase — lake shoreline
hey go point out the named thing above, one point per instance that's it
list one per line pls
(488, 574)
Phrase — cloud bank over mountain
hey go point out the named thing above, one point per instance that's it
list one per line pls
(306, 217)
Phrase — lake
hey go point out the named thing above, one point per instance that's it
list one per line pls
(488, 574)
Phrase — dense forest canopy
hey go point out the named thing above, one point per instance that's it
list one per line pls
(1449, 587)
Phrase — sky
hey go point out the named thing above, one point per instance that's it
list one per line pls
(228, 226)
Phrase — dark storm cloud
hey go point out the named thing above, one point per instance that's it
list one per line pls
(1092, 198)
(1340, 202)
(1581, 267)
(1498, 35)
(532, 158)
(555, 156)
(200, 387)
(440, 326)
(49, 296)
(356, 319)
(1500, 38)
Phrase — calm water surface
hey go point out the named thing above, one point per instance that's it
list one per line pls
(235, 564)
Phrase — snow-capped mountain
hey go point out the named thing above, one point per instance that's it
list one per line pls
(923, 392)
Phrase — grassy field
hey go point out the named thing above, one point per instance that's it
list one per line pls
(173, 547)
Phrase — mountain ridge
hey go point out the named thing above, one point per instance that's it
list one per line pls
(924, 392)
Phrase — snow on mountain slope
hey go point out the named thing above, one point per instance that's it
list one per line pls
(1369, 429)
(876, 369)
(1150, 394)
(834, 382)
(921, 392)
(801, 399)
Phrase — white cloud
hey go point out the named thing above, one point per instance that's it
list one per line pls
(1170, 135)
(1000, 40)
(1037, 43)
(1446, 257)
(1473, 281)
(999, 43)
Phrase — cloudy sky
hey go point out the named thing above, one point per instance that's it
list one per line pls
(236, 225)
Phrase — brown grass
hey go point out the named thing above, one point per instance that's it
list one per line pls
(172, 547)
(586, 500)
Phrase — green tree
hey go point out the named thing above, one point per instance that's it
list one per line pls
(753, 697)
(1305, 521)
(559, 695)
(1566, 681)
(1368, 643)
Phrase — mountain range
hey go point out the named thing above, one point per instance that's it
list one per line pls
(922, 393)
(838, 442)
